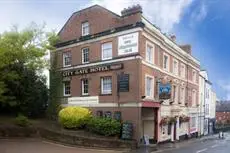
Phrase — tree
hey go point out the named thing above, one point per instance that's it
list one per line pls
(28, 92)
(22, 85)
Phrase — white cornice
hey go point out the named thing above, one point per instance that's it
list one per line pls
(103, 62)
(127, 59)
(101, 38)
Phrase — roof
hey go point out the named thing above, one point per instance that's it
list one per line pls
(223, 107)
(77, 12)
(100, 34)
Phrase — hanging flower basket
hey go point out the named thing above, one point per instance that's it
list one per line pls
(164, 121)
(184, 118)
(172, 120)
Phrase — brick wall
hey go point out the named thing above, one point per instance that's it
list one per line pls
(99, 18)
(222, 116)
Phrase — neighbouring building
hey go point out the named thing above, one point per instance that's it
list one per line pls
(112, 63)
(213, 107)
(201, 108)
(208, 105)
(223, 112)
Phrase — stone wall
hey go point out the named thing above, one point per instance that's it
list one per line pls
(65, 138)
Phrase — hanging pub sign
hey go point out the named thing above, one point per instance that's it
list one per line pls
(94, 69)
(123, 82)
(164, 91)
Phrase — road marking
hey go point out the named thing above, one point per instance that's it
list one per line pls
(201, 150)
(214, 146)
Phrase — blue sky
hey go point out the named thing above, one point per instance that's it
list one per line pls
(202, 23)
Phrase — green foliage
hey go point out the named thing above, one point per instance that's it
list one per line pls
(22, 84)
(104, 126)
(74, 117)
(29, 93)
(55, 92)
(21, 120)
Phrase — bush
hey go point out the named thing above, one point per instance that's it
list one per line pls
(74, 117)
(104, 126)
(22, 120)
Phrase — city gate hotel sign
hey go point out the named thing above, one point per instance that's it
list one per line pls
(94, 69)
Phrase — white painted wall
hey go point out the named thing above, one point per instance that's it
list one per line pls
(213, 105)
(208, 99)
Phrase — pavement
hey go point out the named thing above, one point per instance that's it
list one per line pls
(186, 146)
(207, 144)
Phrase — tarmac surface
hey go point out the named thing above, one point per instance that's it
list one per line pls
(208, 144)
(40, 146)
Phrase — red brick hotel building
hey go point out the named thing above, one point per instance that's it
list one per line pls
(113, 63)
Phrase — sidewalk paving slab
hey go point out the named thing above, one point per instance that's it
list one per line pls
(170, 145)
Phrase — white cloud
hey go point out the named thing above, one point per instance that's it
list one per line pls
(164, 13)
(199, 14)
(225, 85)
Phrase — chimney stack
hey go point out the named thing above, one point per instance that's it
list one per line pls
(187, 48)
(173, 37)
(131, 10)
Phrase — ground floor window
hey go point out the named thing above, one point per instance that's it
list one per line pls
(85, 86)
(164, 129)
(66, 88)
(106, 85)
(193, 122)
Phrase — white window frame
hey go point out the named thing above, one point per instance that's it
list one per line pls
(83, 26)
(102, 85)
(82, 55)
(64, 57)
(64, 88)
(182, 73)
(83, 87)
(102, 51)
(193, 121)
(177, 69)
(150, 59)
(175, 93)
(194, 97)
(158, 54)
(194, 77)
(151, 96)
(167, 64)
(182, 95)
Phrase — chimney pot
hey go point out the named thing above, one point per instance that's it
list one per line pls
(131, 10)
(187, 48)
(173, 37)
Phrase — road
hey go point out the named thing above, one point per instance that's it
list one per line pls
(208, 146)
(39, 146)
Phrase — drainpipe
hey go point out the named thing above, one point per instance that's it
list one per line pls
(187, 99)
(204, 99)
